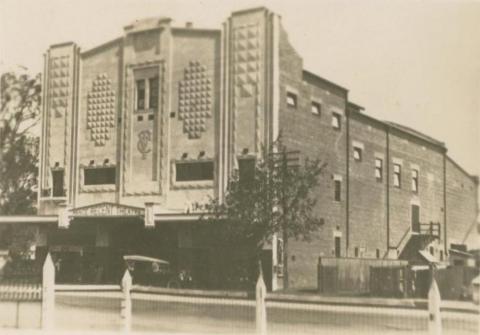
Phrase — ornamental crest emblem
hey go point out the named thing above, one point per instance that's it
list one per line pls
(144, 139)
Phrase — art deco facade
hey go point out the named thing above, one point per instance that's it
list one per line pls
(138, 130)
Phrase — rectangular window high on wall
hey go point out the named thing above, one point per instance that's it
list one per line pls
(58, 189)
(357, 154)
(378, 169)
(141, 94)
(291, 100)
(397, 175)
(415, 180)
(99, 176)
(336, 121)
(194, 171)
(153, 90)
(316, 108)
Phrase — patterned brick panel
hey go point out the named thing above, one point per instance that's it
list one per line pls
(59, 85)
(195, 99)
(101, 110)
(247, 55)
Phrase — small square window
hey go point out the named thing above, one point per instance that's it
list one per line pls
(151, 116)
(139, 118)
(291, 99)
(316, 108)
(357, 154)
(336, 120)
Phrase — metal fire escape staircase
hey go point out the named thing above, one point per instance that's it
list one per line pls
(416, 238)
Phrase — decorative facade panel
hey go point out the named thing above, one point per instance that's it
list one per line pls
(101, 110)
(195, 99)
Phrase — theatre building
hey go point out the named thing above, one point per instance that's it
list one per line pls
(138, 131)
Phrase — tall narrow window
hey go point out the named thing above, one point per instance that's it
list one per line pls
(153, 88)
(338, 190)
(337, 246)
(377, 253)
(397, 175)
(141, 94)
(58, 183)
(246, 170)
(356, 251)
(415, 180)
(378, 169)
(415, 218)
(336, 120)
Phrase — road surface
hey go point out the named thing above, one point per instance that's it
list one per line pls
(176, 314)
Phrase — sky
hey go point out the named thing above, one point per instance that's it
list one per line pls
(412, 62)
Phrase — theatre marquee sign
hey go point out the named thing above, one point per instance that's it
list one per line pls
(107, 209)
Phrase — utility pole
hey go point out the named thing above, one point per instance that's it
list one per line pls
(284, 213)
(288, 159)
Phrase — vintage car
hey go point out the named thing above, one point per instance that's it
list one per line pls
(155, 272)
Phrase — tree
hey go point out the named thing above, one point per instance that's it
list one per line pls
(19, 114)
(275, 198)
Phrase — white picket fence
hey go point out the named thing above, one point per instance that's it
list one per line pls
(48, 302)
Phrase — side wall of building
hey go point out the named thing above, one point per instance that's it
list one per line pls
(368, 211)
(315, 137)
(414, 154)
(462, 205)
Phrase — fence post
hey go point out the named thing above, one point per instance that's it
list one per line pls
(261, 308)
(434, 299)
(48, 294)
(126, 307)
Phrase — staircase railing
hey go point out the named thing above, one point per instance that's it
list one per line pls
(432, 229)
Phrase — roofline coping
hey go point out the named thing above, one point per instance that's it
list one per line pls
(471, 176)
(62, 44)
(103, 45)
(197, 30)
(326, 81)
(248, 10)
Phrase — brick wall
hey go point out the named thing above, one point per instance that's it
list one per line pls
(367, 194)
(412, 153)
(315, 137)
(462, 205)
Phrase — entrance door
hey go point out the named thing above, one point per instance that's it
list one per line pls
(416, 218)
